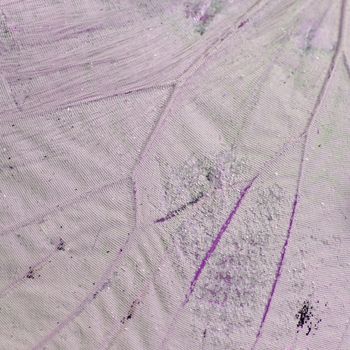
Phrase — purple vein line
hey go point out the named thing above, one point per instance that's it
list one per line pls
(143, 155)
(207, 256)
(285, 245)
(217, 240)
(304, 135)
(278, 271)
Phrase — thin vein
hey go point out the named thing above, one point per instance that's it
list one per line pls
(305, 135)
(89, 298)
(28, 112)
(217, 240)
(85, 302)
(346, 64)
(344, 334)
(330, 69)
(184, 78)
(14, 283)
(59, 206)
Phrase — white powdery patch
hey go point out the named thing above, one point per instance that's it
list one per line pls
(241, 269)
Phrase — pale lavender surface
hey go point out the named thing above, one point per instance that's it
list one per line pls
(175, 174)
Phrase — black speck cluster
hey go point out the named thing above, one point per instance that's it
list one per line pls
(61, 244)
(30, 273)
(306, 318)
(131, 311)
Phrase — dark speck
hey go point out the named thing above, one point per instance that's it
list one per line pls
(209, 175)
(303, 314)
(30, 273)
(243, 23)
(306, 318)
(61, 244)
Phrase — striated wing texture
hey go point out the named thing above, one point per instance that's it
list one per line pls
(175, 174)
